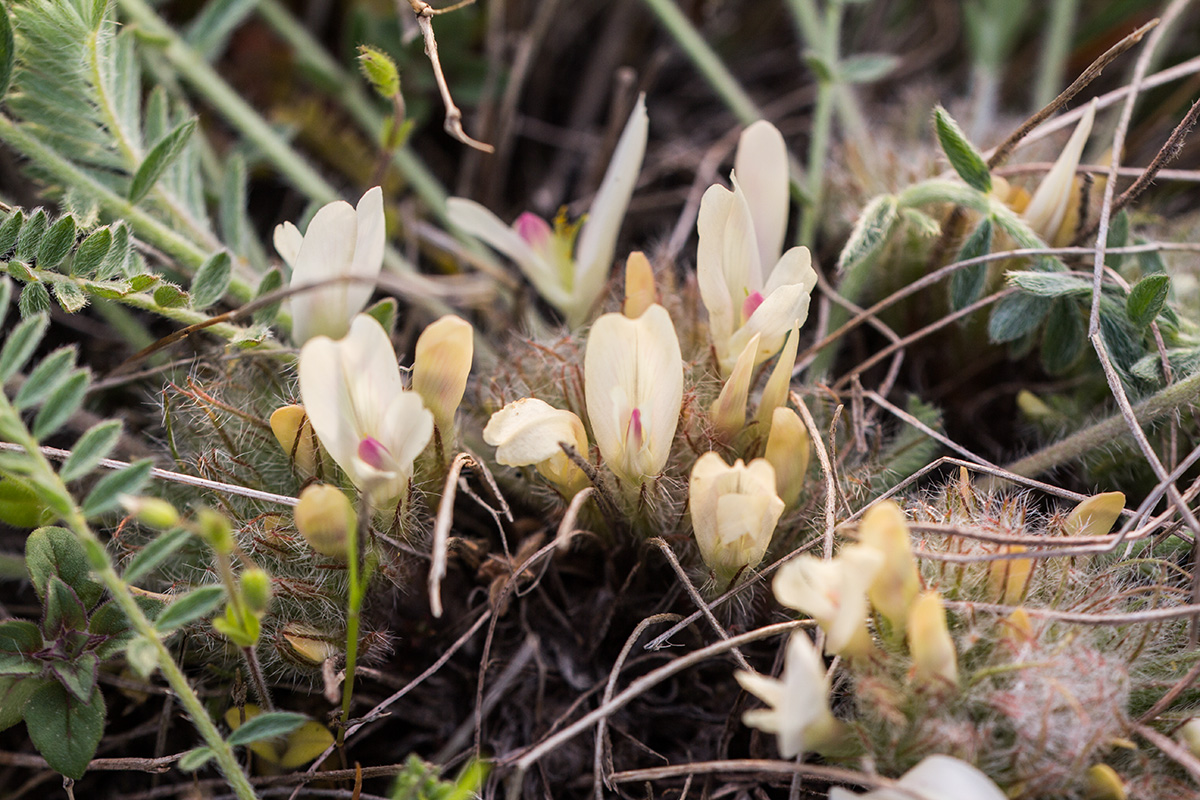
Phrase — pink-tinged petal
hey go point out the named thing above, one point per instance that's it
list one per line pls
(372, 452)
(598, 236)
(761, 167)
(533, 229)
(288, 239)
(751, 304)
(783, 308)
(1048, 206)
(407, 428)
(476, 220)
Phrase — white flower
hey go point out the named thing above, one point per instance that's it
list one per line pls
(371, 426)
(633, 386)
(1057, 196)
(747, 287)
(734, 512)
(341, 241)
(799, 714)
(569, 274)
(834, 593)
(937, 777)
(529, 431)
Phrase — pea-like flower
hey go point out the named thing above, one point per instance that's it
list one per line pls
(937, 777)
(834, 593)
(633, 386)
(362, 414)
(441, 366)
(341, 242)
(734, 512)
(569, 273)
(747, 286)
(530, 431)
(1053, 211)
(799, 714)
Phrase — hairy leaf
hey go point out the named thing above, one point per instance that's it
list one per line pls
(966, 160)
(190, 607)
(267, 726)
(62, 404)
(966, 285)
(158, 159)
(95, 444)
(55, 552)
(211, 280)
(104, 496)
(1147, 298)
(64, 730)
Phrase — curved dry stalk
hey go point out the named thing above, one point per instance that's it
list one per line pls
(1078, 618)
(758, 766)
(441, 531)
(818, 443)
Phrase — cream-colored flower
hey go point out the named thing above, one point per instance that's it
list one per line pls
(1056, 199)
(834, 593)
(799, 714)
(1096, 515)
(530, 432)
(728, 411)
(746, 285)
(734, 512)
(570, 274)
(788, 449)
(633, 385)
(937, 777)
(341, 242)
(929, 641)
(884, 528)
(371, 426)
(441, 365)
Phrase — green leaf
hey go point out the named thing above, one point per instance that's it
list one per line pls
(1017, 315)
(30, 237)
(64, 730)
(159, 158)
(385, 312)
(866, 67)
(267, 726)
(821, 68)
(1051, 284)
(54, 551)
(45, 378)
(20, 636)
(140, 283)
(21, 507)
(270, 282)
(95, 444)
(142, 655)
(190, 607)
(62, 404)
(1118, 236)
(35, 299)
(966, 285)
(70, 297)
(1147, 298)
(8, 52)
(103, 497)
(91, 253)
(870, 231)
(1119, 336)
(19, 665)
(14, 693)
(64, 610)
(77, 676)
(57, 242)
(962, 155)
(9, 231)
(194, 759)
(1064, 338)
(168, 295)
(159, 549)
(212, 280)
(5, 296)
(116, 261)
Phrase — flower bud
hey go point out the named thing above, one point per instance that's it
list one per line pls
(734, 513)
(441, 366)
(1096, 515)
(326, 519)
(309, 644)
(776, 391)
(929, 642)
(729, 409)
(295, 435)
(1103, 783)
(1189, 735)
(884, 529)
(215, 529)
(256, 589)
(151, 511)
(788, 452)
(640, 293)
(530, 431)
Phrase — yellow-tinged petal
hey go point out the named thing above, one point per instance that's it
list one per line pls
(775, 394)
(1007, 578)
(929, 642)
(897, 583)
(834, 593)
(633, 386)
(1057, 192)
(1103, 783)
(734, 512)
(640, 292)
(441, 365)
(295, 435)
(530, 432)
(788, 449)
(1189, 734)
(304, 744)
(1096, 515)
(728, 412)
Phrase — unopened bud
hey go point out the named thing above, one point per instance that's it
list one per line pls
(788, 451)
(1103, 783)
(326, 519)
(640, 293)
(1096, 515)
(216, 530)
(256, 589)
(310, 644)
(728, 411)
(379, 69)
(776, 391)
(897, 583)
(929, 642)
(151, 511)
(294, 433)
(441, 366)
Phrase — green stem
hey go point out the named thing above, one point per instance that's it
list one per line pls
(1104, 433)
(1056, 46)
(352, 618)
(705, 60)
(102, 565)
